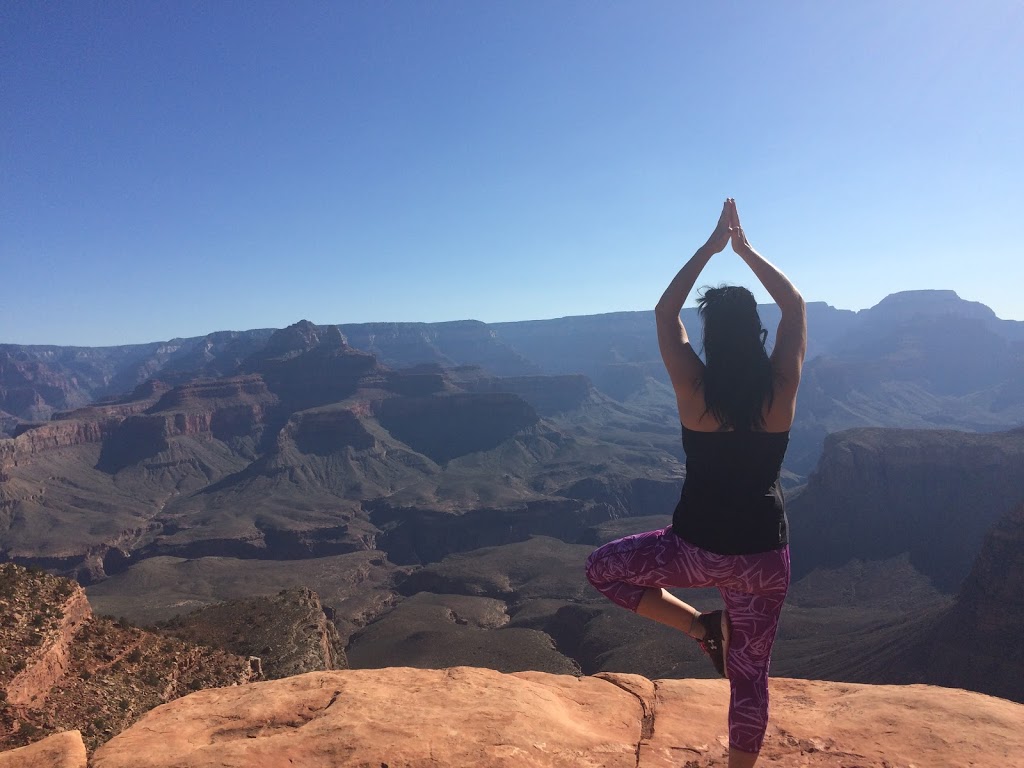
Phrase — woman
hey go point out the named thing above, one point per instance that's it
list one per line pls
(729, 529)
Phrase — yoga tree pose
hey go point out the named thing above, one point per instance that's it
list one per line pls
(729, 529)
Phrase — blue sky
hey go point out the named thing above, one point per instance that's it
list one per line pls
(171, 169)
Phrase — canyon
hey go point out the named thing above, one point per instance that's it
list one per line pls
(425, 495)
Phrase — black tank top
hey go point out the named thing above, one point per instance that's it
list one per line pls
(732, 501)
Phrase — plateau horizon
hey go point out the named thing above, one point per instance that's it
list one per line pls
(195, 329)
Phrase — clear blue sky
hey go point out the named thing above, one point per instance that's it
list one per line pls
(172, 168)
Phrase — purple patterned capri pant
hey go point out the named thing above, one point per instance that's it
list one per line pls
(753, 587)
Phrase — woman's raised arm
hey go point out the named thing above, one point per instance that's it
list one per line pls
(683, 365)
(791, 337)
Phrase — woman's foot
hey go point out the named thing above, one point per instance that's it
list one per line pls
(714, 638)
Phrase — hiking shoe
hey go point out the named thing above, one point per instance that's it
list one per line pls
(716, 639)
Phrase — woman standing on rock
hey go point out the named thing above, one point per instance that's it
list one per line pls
(729, 529)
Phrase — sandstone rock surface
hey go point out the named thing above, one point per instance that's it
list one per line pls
(61, 750)
(465, 716)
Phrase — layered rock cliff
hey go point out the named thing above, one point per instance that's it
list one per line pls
(878, 493)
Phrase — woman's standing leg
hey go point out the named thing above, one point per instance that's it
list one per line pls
(754, 621)
(631, 570)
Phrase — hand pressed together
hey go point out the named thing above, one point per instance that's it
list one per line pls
(720, 237)
(736, 234)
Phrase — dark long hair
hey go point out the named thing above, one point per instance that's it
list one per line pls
(738, 381)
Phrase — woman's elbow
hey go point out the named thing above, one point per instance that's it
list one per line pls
(794, 303)
(663, 311)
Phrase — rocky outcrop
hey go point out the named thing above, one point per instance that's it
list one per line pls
(297, 339)
(221, 408)
(63, 668)
(977, 643)
(61, 750)
(8, 423)
(48, 664)
(465, 716)
(212, 394)
(995, 586)
(878, 493)
(31, 439)
(324, 374)
(142, 437)
(289, 632)
(6, 459)
(41, 616)
(91, 424)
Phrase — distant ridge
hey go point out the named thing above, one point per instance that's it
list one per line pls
(918, 359)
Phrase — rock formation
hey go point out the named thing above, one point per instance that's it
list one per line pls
(61, 750)
(977, 643)
(49, 662)
(878, 493)
(308, 433)
(298, 445)
(465, 716)
(36, 381)
(61, 667)
(289, 632)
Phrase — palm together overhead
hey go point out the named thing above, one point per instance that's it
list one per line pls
(728, 228)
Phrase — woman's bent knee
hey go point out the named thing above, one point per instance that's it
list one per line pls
(606, 570)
